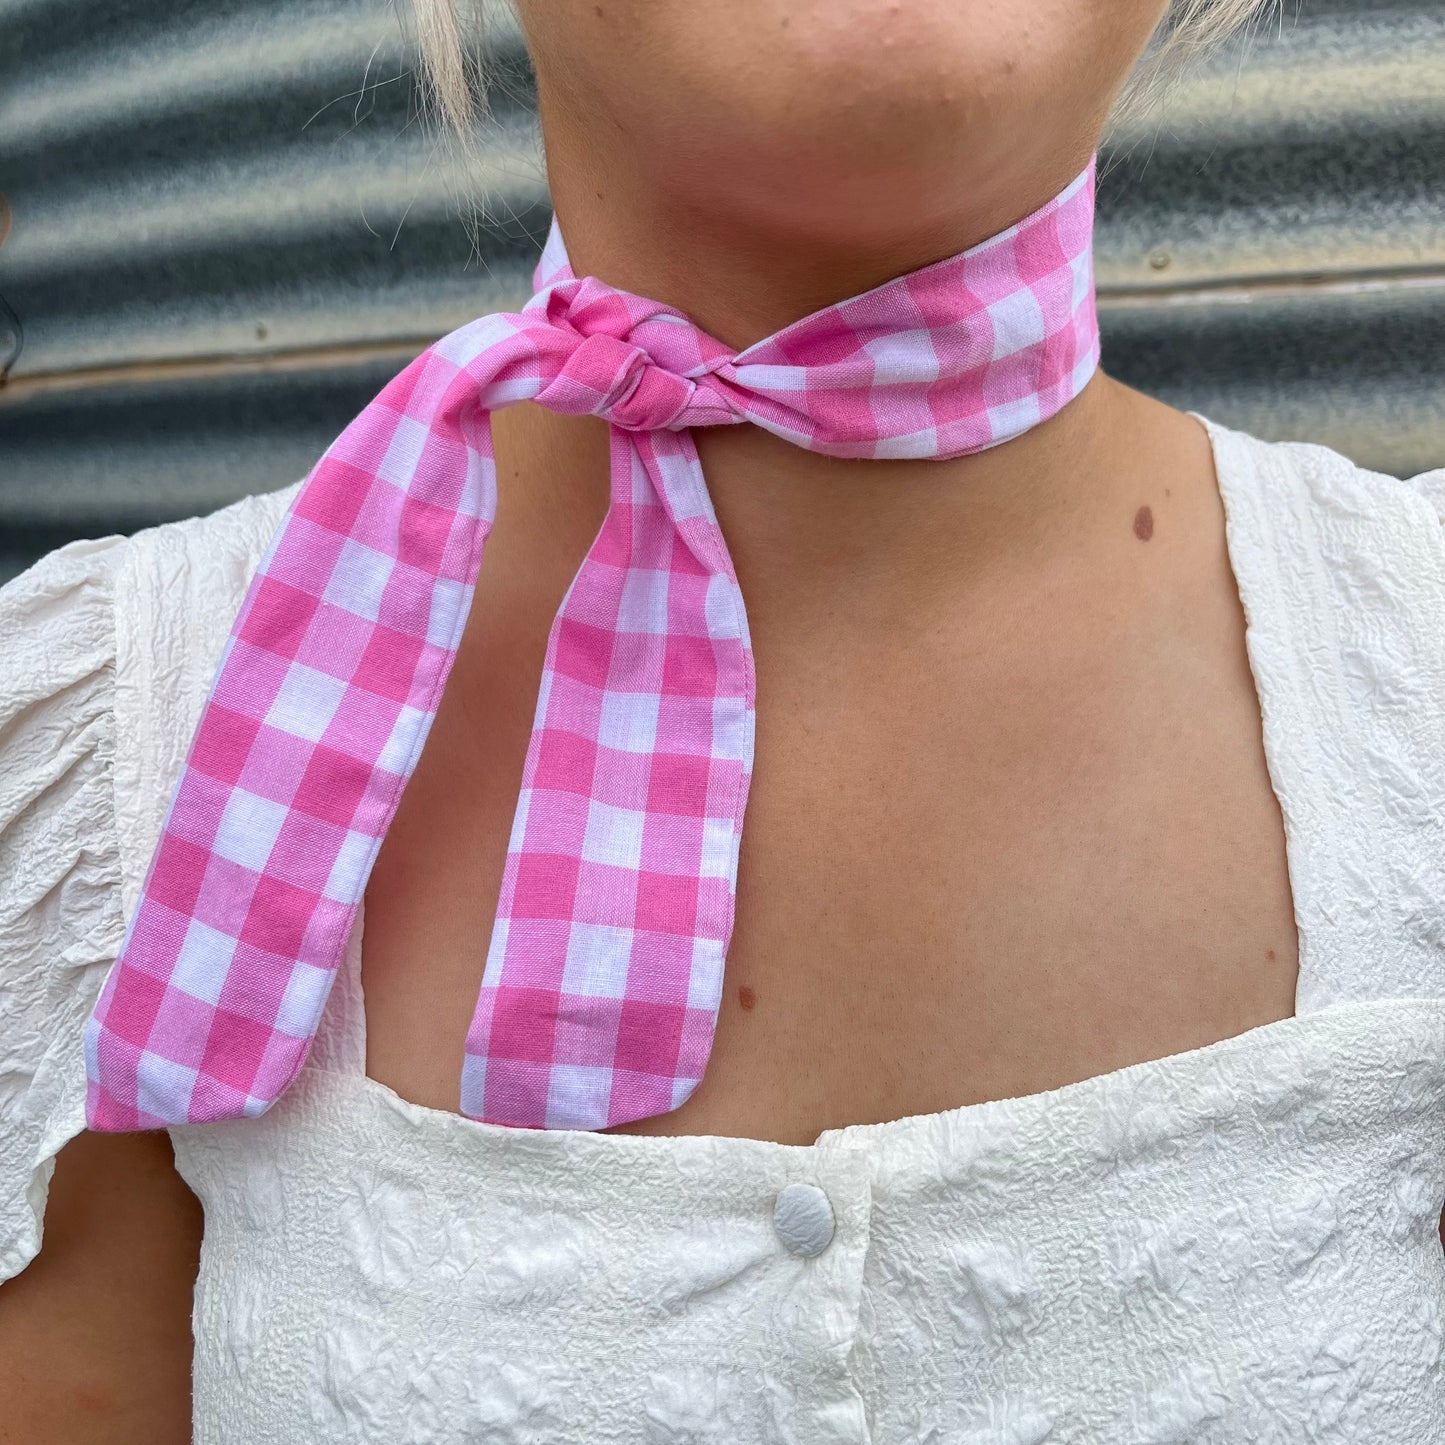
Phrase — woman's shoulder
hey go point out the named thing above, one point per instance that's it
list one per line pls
(1327, 478)
(1431, 486)
(148, 615)
(107, 647)
(180, 587)
(160, 594)
(181, 584)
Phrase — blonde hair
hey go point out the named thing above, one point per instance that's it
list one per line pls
(1189, 31)
(454, 74)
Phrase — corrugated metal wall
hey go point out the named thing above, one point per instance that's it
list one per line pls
(228, 230)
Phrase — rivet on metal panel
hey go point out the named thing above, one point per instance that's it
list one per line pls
(1159, 259)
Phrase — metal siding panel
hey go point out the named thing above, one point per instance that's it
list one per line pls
(230, 229)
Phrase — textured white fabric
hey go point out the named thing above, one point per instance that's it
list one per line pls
(1235, 1244)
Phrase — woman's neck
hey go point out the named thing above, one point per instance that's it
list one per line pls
(882, 545)
(882, 533)
(743, 277)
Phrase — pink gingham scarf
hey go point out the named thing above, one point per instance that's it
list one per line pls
(604, 974)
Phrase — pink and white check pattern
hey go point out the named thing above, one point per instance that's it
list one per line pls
(604, 973)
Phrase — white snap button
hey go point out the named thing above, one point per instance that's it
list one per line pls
(803, 1218)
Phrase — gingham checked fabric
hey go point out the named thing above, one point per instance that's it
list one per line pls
(604, 973)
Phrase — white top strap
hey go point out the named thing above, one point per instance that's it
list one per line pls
(1342, 575)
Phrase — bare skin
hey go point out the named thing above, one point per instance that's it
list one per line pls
(1011, 824)
(95, 1335)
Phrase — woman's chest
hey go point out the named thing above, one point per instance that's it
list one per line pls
(972, 868)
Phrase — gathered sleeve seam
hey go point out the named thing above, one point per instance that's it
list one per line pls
(61, 918)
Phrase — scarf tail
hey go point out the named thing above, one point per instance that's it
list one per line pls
(599, 999)
(321, 703)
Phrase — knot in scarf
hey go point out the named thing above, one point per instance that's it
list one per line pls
(604, 969)
(636, 364)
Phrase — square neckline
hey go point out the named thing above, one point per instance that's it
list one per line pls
(1227, 451)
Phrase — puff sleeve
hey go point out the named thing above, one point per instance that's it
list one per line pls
(61, 917)
(1431, 486)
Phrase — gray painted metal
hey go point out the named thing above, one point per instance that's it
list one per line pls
(229, 230)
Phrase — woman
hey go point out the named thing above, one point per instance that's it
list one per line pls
(1077, 1071)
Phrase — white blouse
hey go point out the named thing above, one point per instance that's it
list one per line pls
(1233, 1244)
